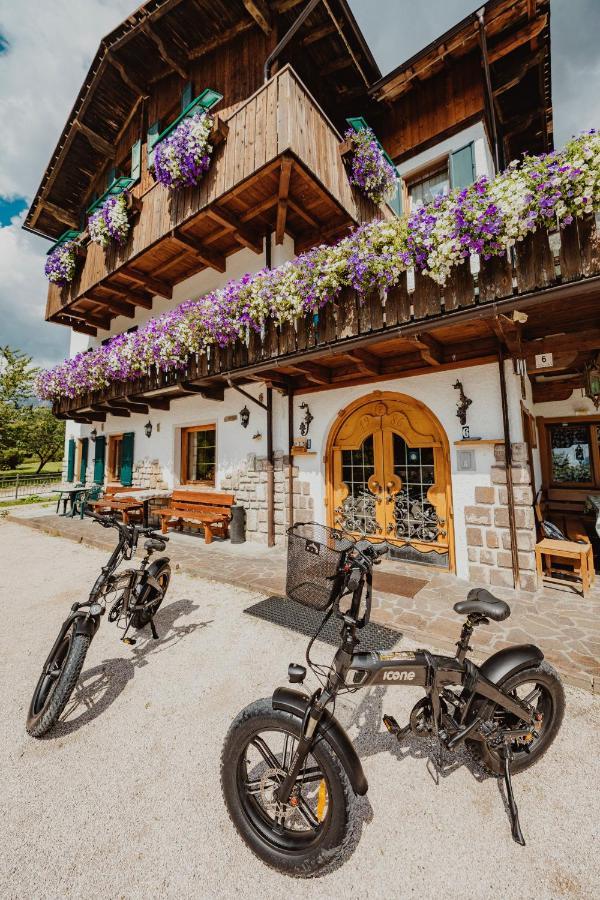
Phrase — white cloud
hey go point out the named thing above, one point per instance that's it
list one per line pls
(50, 47)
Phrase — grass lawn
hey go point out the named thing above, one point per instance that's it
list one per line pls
(29, 467)
(24, 501)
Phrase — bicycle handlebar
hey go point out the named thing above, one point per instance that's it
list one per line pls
(131, 531)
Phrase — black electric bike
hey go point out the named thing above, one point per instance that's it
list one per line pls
(132, 597)
(289, 772)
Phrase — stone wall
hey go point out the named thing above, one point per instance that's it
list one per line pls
(249, 484)
(488, 534)
(147, 473)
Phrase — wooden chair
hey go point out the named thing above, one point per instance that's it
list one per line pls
(210, 510)
(554, 557)
(567, 527)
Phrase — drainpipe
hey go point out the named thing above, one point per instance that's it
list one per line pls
(488, 84)
(291, 456)
(270, 472)
(287, 37)
(508, 463)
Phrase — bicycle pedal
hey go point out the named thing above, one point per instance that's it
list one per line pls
(131, 642)
(391, 724)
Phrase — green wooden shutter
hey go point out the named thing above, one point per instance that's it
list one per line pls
(462, 167)
(84, 459)
(151, 139)
(136, 160)
(127, 459)
(99, 458)
(186, 96)
(395, 201)
(71, 460)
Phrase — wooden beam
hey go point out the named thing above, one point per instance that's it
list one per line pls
(300, 211)
(61, 214)
(261, 14)
(208, 393)
(163, 52)
(282, 199)
(550, 391)
(85, 329)
(432, 352)
(97, 320)
(125, 77)
(130, 295)
(580, 340)
(512, 41)
(209, 257)
(284, 5)
(336, 66)
(121, 411)
(155, 284)
(118, 306)
(318, 34)
(314, 372)
(223, 38)
(96, 140)
(367, 362)
(158, 402)
(245, 235)
(508, 333)
(513, 76)
(98, 417)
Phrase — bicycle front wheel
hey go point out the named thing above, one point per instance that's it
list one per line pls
(305, 836)
(56, 683)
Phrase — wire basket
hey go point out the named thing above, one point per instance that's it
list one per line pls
(315, 556)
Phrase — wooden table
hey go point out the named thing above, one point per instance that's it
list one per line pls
(142, 497)
(592, 505)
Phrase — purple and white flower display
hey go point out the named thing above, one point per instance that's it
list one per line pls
(60, 264)
(110, 222)
(369, 169)
(483, 219)
(182, 158)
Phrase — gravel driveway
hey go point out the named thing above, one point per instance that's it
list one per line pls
(123, 799)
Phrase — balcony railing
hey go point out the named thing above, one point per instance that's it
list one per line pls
(544, 270)
(241, 190)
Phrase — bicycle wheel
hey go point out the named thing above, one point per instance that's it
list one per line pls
(305, 836)
(150, 599)
(56, 683)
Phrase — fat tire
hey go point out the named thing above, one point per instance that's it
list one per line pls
(40, 723)
(302, 864)
(140, 619)
(549, 677)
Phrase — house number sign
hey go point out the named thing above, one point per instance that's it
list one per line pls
(544, 361)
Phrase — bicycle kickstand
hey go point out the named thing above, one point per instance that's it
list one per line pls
(512, 806)
(154, 631)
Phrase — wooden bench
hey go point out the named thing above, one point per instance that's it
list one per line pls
(210, 510)
(565, 508)
(554, 558)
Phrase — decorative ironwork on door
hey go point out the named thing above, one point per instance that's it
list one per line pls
(389, 478)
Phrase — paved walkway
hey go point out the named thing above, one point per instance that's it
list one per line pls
(565, 625)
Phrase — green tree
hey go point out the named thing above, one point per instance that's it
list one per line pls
(42, 435)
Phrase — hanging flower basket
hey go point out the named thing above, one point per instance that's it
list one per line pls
(182, 158)
(60, 264)
(369, 169)
(111, 221)
(484, 219)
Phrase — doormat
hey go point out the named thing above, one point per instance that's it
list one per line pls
(302, 620)
(402, 585)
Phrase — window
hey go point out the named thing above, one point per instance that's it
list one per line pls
(198, 455)
(570, 454)
(425, 187)
(115, 456)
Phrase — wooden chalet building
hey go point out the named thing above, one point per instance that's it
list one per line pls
(373, 388)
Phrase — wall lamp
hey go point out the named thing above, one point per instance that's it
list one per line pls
(244, 416)
(148, 428)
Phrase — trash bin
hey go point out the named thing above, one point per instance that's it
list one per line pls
(237, 526)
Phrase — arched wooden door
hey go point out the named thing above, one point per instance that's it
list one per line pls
(388, 477)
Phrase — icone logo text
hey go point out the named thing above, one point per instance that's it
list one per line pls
(392, 675)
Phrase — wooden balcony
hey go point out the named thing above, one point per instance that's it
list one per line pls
(277, 168)
(416, 328)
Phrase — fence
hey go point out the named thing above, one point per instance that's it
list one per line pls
(12, 487)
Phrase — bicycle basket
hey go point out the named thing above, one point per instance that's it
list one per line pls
(315, 555)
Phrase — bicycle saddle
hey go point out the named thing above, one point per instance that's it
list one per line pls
(483, 603)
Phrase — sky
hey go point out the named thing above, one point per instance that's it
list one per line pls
(46, 47)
